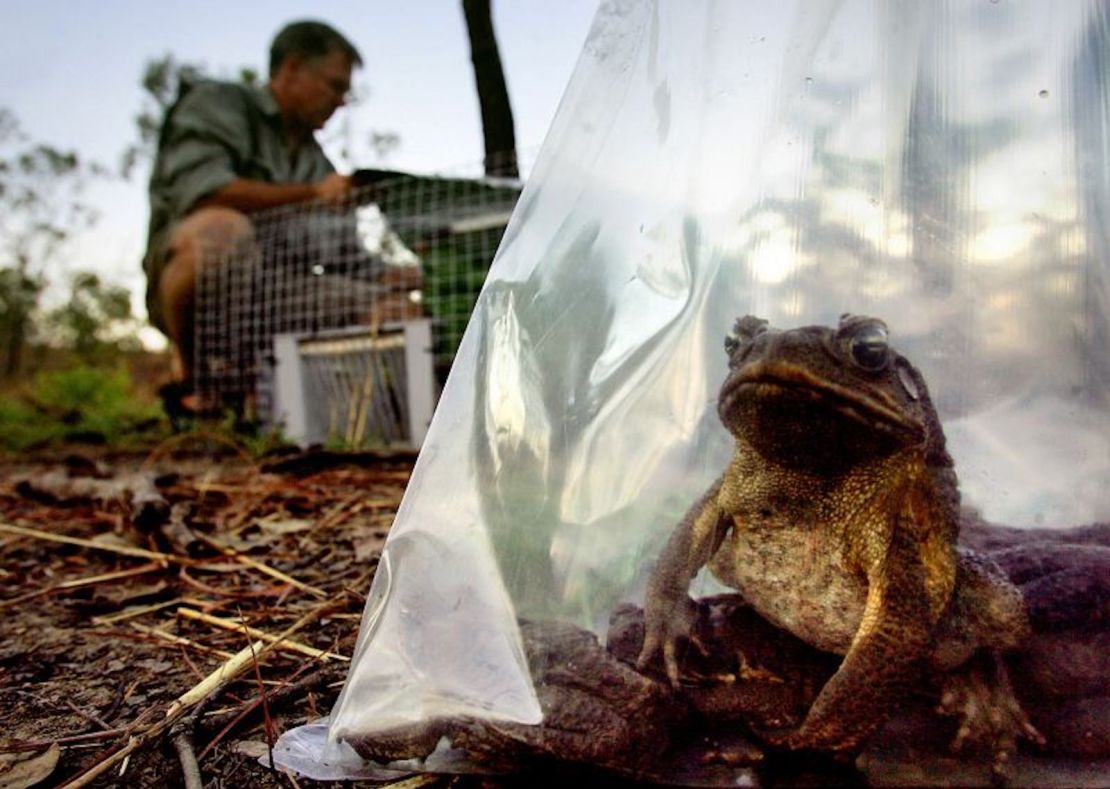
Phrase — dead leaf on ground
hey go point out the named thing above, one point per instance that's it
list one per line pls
(367, 541)
(16, 773)
(282, 527)
(112, 540)
(252, 749)
(248, 543)
(120, 594)
(306, 526)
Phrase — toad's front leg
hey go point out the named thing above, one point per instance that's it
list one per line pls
(668, 609)
(885, 656)
(987, 617)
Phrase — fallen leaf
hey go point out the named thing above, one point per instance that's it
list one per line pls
(219, 567)
(112, 540)
(115, 596)
(289, 526)
(366, 544)
(28, 772)
(253, 749)
(247, 543)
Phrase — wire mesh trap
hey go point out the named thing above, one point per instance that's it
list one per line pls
(403, 248)
(357, 386)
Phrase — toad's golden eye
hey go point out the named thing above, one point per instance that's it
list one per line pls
(868, 347)
(743, 332)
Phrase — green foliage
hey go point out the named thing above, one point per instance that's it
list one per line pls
(255, 440)
(455, 269)
(79, 402)
(19, 296)
(21, 425)
(163, 80)
(40, 211)
(96, 321)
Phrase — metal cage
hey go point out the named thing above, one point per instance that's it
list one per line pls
(403, 248)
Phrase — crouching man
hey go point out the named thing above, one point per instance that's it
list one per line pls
(226, 150)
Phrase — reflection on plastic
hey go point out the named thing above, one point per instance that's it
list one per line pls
(447, 594)
(940, 165)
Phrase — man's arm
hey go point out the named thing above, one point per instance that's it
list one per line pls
(205, 158)
(246, 195)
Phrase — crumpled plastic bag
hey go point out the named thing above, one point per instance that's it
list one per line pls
(939, 165)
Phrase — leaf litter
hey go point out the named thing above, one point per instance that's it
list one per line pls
(162, 607)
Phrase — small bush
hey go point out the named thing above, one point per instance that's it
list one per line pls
(77, 403)
(21, 425)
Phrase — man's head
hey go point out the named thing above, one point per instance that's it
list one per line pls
(310, 72)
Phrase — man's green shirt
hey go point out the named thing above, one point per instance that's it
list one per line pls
(215, 133)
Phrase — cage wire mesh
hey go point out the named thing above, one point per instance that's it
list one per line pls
(361, 381)
(401, 248)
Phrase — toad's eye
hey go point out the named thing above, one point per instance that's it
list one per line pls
(868, 347)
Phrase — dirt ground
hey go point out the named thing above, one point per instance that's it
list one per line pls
(98, 639)
(126, 580)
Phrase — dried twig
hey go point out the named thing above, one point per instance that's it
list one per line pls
(77, 583)
(415, 782)
(229, 720)
(14, 746)
(240, 661)
(237, 594)
(270, 591)
(224, 673)
(230, 624)
(183, 732)
(262, 568)
(125, 550)
(179, 640)
(231, 668)
(190, 768)
(237, 489)
(90, 717)
(269, 722)
(133, 611)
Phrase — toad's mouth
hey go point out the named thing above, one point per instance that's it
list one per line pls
(786, 382)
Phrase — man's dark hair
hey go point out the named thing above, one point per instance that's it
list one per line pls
(309, 40)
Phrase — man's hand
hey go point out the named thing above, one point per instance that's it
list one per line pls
(247, 195)
(333, 189)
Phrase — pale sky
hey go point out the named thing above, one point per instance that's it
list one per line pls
(70, 71)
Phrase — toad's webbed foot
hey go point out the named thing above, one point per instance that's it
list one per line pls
(666, 623)
(981, 696)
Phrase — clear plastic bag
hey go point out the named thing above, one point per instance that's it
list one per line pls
(940, 165)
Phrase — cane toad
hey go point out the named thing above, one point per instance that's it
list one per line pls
(600, 713)
(837, 520)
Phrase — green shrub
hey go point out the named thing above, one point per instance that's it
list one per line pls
(77, 403)
(21, 425)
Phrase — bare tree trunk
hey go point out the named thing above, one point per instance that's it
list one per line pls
(14, 360)
(493, 96)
